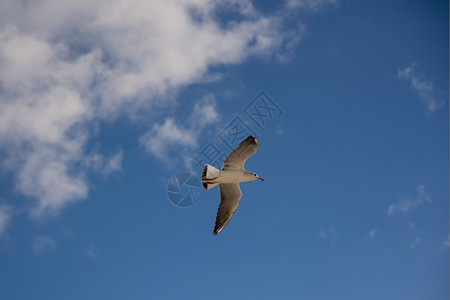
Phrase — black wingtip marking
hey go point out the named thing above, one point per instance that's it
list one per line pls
(250, 138)
(204, 171)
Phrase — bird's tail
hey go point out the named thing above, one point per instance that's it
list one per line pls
(209, 176)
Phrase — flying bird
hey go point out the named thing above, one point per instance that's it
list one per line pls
(228, 180)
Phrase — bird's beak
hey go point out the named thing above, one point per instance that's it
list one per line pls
(260, 178)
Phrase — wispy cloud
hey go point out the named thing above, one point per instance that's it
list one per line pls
(43, 244)
(411, 225)
(415, 243)
(406, 205)
(5, 217)
(66, 232)
(92, 252)
(162, 139)
(204, 113)
(330, 234)
(372, 234)
(423, 87)
(105, 166)
(313, 5)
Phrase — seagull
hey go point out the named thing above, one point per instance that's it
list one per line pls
(228, 180)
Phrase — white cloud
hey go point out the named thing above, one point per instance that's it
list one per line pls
(330, 234)
(5, 217)
(46, 176)
(411, 225)
(41, 112)
(106, 166)
(372, 233)
(415, 243)
(423, 87)
(43, 244)
(205, 112)
(157, 140)
(66, 66)
(422, 195)
(92, 252)
(406, 205)
(66, 232)
(114, 163)
(314, 5)
(163, 139)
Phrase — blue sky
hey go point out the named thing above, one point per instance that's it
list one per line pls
(101, 104)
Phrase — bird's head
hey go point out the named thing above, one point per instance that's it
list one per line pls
(256, 176)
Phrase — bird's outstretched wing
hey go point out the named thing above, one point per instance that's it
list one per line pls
(230, 194)
(237, 158)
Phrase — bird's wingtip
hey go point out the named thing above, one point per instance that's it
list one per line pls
(251, 139)
(216, 230)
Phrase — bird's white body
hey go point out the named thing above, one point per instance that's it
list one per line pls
(213, 176)
(235, 176)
